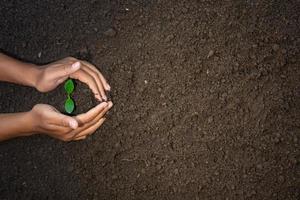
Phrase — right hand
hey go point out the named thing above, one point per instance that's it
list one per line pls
(55, 73)
(46, 119)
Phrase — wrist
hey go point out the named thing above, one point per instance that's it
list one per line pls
(28, 123)
(14, 125)
(34, 73)
(32, 120)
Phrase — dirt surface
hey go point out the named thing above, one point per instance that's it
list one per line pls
(206, 99)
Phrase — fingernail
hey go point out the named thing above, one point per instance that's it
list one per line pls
(104, 98)
(76, 65)
(73, 124)
(108, 87)
(103, 104)
(110, 104)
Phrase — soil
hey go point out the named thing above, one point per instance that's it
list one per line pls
(206, 99)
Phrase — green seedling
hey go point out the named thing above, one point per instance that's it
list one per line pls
(69, 88)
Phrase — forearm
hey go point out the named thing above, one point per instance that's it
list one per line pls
(14, 71)
(15, 125)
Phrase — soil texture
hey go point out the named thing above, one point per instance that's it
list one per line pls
(206, 99)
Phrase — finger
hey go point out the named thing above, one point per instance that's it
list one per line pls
(86, 78)
(90, 123)
(61, 80)
(80, 138)
(90, 130)
(64, 71)
(106, 85)
(59, 119)
(103, 80)
(91, 114)
(98, 81)
(59, 129)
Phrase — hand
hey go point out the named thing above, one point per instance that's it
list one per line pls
(46, 119)
(55, 73)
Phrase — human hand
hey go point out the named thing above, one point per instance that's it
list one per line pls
(46, 119)
(55, 73)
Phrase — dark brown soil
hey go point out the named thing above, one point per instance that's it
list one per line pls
(206, 99)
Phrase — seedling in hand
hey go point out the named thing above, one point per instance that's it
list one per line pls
(69, 88)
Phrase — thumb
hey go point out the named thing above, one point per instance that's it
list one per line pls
(64, 120)
(65, 71)
(70, 69)
(70, 122)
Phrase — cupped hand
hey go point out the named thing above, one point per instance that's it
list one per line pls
(46, 119)
(55, 73)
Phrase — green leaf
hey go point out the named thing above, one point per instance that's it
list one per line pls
(69, 86)
(69, 105)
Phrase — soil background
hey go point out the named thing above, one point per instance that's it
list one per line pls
(206, 99)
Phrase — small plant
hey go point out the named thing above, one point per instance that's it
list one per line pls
(69, 103)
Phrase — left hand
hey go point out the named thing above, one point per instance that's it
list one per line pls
(55, 73)
(47, 120)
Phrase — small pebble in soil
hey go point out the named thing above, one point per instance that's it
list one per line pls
(284, 51)
(117, 145)
(114, 177)
(295, 140)
(281, 178)
(184, 10)
(259, 166)
(140, 23)
(176, 171)
(210, 53)
(158, 167)
(275, 47)
(169, 38)
(110, 32)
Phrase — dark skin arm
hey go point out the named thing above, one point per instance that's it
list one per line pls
(46, 119)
